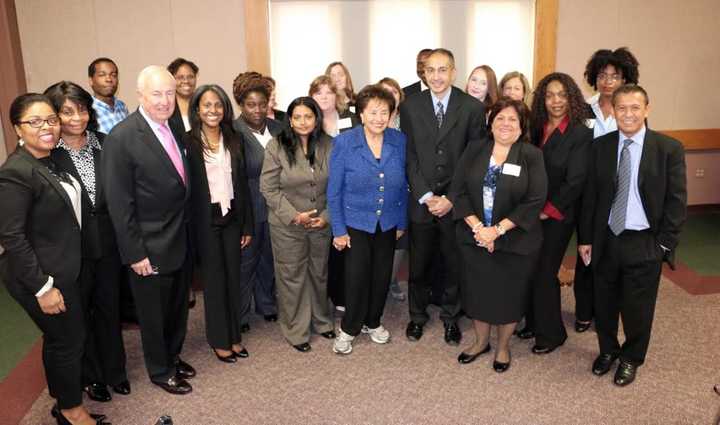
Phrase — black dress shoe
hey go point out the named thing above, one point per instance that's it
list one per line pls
(62, 420)
(581, 327)
(226, 359)
(465, 358)
(545, 349)
(98, 392)
(452, 334)
(525, 333)
(603, 363)
(625, 373)
(55, 412)
(184, 370)
(244, 328)
(501, 367)
(414, 331)
(270, 317)
(242, 354)
(328, 335)
(122, 388)
(175, 385)
(304, 347)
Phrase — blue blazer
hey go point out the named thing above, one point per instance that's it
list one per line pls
(363, 191)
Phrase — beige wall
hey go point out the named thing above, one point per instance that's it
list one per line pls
(60, 38)
(676, 43)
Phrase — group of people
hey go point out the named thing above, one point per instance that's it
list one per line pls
(315, 206)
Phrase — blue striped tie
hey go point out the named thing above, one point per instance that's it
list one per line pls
(440, 114)
(618, 212)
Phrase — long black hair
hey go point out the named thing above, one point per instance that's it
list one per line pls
(231, 143)
(289, 140)
(577, 108)
(67, 90)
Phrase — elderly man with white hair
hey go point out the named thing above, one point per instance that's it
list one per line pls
(147, 189)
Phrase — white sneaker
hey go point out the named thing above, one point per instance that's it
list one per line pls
(343, 343)
(379, 335)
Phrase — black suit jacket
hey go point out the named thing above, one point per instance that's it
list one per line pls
(464, 123)
(662, 186)
(412, 88)
(200, 202)
(517, 198)
(38, 228)
(254, 155)
(98, 236)
(176, 124)
(146, 196)
(566, 160)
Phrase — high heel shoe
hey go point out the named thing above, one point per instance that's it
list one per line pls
(465, 358)
(242, 354)
(501, 367)
(225, 359)
(62, 420)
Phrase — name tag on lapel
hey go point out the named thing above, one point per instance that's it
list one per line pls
(352, 109)
(511, 169)
(344, 123)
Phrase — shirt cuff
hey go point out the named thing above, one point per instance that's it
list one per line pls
(552, 212)
(46, 287)
(425, 197)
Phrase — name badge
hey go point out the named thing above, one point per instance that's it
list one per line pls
(590, 123)
(511, 169)
(344, 123)
(352, 109)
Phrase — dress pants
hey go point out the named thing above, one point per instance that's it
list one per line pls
(258, 273)
(63, 339)
(162, 309)
(547, 308)
(300, 258)
(226, 294)
(583, 291)
(626, 284)
(368, 270)
(104, 358)
(429, 243)
(336, 276)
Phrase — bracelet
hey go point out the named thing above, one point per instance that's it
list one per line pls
(475, 227)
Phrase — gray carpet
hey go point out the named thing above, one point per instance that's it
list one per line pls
(422, 383)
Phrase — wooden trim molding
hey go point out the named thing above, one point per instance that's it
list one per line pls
(546, 22)
(12, 70)
(696, 139)
(257, 35)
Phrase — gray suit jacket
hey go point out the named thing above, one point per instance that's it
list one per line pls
(254, 156)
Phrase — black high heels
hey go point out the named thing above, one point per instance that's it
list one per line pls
(225, 359)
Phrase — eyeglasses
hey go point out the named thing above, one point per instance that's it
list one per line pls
(609, 77)
(39, 122)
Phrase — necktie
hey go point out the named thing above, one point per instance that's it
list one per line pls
(172, 150)
(440, 114)
(618, 212)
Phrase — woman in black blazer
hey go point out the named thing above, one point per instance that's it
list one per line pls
(40, 219)
(79, 153)
(500, 187)
(222, 219)
(558, 117)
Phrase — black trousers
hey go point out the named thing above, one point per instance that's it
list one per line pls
(227, 295)
(63, 340)
(547, 308)
(368, 270)
(258, 273)
(104, 358)
(626, 284)
(336, 276)
(583, 290)
(429, 243)
(162, 308)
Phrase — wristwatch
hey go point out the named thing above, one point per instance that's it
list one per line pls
(500, 229)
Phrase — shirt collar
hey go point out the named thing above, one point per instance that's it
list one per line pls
(638, 138)
(155, 126)
(444, 100)
(562, 127)
(117, 102)
(92, 142)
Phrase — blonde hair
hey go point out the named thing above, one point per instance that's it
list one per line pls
(349, 91)
(324, 80)
(519, 75)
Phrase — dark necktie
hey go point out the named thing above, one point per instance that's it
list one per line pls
(618, 212)
(440, 114)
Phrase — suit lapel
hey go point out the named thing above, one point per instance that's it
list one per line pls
(45, 173)
(155, 145)
(427, 110)
(505, 181)
(64, 162)
(388, 150)
(647, 158)
(482, 167)
(451, 115)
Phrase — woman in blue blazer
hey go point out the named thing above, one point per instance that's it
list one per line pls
(367, 201)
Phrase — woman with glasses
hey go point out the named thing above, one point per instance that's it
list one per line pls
(40, 222)
(185, 73)
(79, 153)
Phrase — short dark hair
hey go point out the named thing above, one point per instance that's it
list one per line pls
(225, 123)
(290, 141)
(445, 52)
(520, 108)
(23, 102)
(423, 52)
(249, 82)
(577, 107)
(621, 59)
(630, 89)
(177, 63)
(58, 93)
(377, 92)
(93, 65)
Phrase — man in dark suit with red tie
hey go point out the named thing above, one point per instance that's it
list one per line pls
(439, 124)
(633, 209)
(147, 192)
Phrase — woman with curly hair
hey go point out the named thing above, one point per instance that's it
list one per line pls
(558, 116)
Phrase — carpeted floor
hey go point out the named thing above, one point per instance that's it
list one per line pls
(422, 383)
